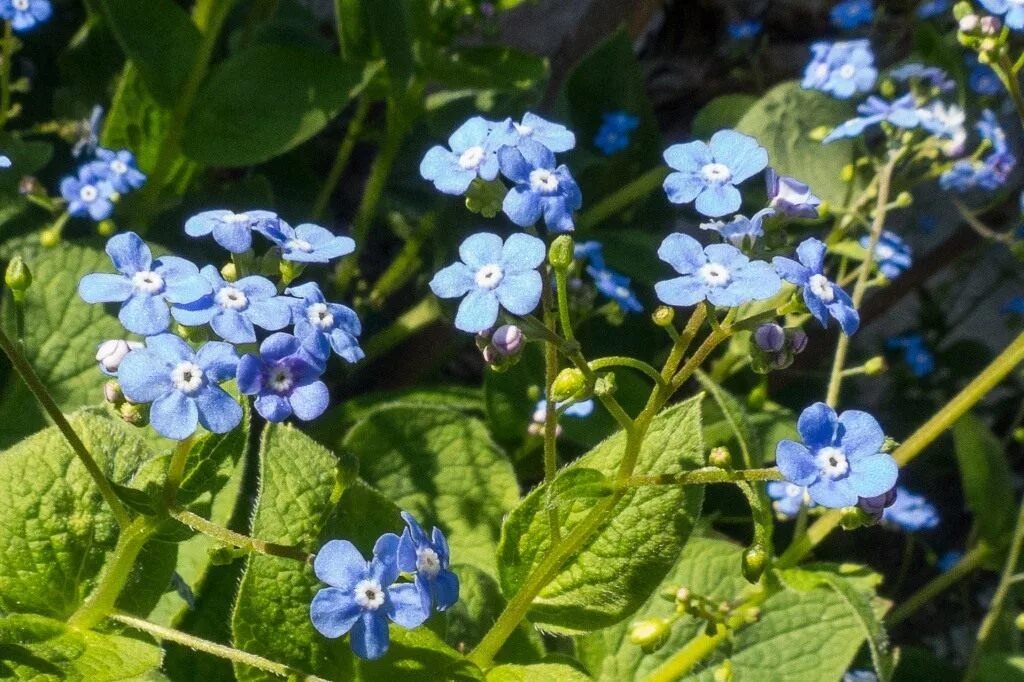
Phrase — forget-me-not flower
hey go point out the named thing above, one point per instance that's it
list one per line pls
(709, 172)
(235, 309)
(901, 112)
(931, 76)
(946, 121)
(428, 558)
(541, 188)
(613, 135)
(850, 14)
(840, 459)
(182, 384)
(719, 274)
(916, 353)
(285, 380)
(790, 197)
(822, 296)
(472, 154)
(842, 68)
(145, 286)
(362, 596)
(1013, 9)
(787, 498)
(88, 194)
(615, 286)
(740, 228)
(322, 326)
(981, 78)
(892, 254)
(25, 14)
(553, 136)
(744, 29)
(910, 512)
(308, 243)
(88, 133)
(492, 274)
(233, 231)
(119, 169)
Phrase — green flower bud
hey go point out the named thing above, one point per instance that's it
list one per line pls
(754, 563)
(663, 316)
(1019, 621)
(962, 9)
(650, 634)
(723, 673)
(18, 278)
(112, 393)
(485, 197)
(848, 173)
(562, 253)
(136, 415)
(192, 334)
(853, 518)
(820, 133)
(605, 384)
(720, 457)
(1018, 434)
(875, 365)
(229, 272)
(49, 237)
(889, 444)
(290, 271)
(568, 383)
(887, 88)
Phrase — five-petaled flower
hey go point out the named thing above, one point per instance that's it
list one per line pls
(541, 189)
(840, 459)
(285, 380)
(427, 557)
(119, 169)
(787, 498)
(235, 309)
(362, 596)
(892, 253)
(88, 194)
(822, 296)
(472, 155)
(308, 243)
(144, 285)
(910, 512)
(719, 273)
(322, 326)
(553, 136)
(231, 230)
(709, 172)
(841, 68)
(25, 14)
(741, 228)
(182, 384)
(852, 13)
(790, 197)
(874, 110)
(492, 274)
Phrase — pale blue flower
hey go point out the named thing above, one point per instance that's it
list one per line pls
(552, 136)
(842, 68)
(930, 76)
(324, 326)
(788, 498)
(901, 112)
(119, 169)
(741, 229)
(541, 189)
(285, 380)
(25, 14)
(719, 274)
(428, 558)
(852, 13)
(822, 296)
(472, 154)
(233, 231)
(791, 197)
(88, 194)
(892, 254)
(307, 243)
(1013, 9)
(235, 309)
(910, 512)
(615, 286)
(709, 173)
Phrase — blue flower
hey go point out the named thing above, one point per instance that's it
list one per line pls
(841, 68)
(590, 251)
(580, 410)
(362, 596)
(324, 326)
(744, 29)
(540, 188)
(88, 194)
(89, 132)
(235, 309)
(982, 79)
(428, 558)
(718, 273)
(144, 286)
(552, 136)
(931, 76)
(613, 135)
(710, 172)
(741, 228)
(119, 169)
(1014, 306)
(285, 380)
(5, 161)
(787, 498)
(25, 14)
(492, 273)
(915, 353)
(910, 512)
(615, 286)
(932, 8)
(947, 122)
(840, 459)
(472, 154)
(874, 110)
(822, 297)
(891, 253)
(307, 243)
(231, 230)
(182, 385)
(852, 13)
(791, 197)
(990, 173)
(1013, 9)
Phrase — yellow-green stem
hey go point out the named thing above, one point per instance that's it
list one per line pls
(242, 542)
(176, 471)
(623, 198)
(6, 57)
(968, 564)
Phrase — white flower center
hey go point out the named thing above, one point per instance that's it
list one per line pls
(148, 282)
(847, 71)
(119, 166)
(231, 298)
(489, 276)
(472, 158)
(320, 316)
(821, 71)
(235, 218)
(281, 379)
(21, 5)
(187, 377)
(543, 181)
(793, 490)
(298, 245)
(832, 462)
(428, 563)
(524, 131)
(714, 274)
(369, 594)
(88, 193)
(717, 173)
(822, 288)
(622, 292)
(884, 251)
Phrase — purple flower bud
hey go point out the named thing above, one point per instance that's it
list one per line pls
(790, 196)
(770, 337)
(508, 340)
(874, 506)
(111, 353)
(990, 25)
(798, 341)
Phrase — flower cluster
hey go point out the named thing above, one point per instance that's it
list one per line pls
(524, 153)
(183, 384)
(989, 172)
(362, 596)
(99, 183)
(608, 282)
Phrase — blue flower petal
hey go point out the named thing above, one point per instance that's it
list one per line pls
(834, 494)
(104, 288)
(811, 253)
(405, 605)
(270, 314)
(272, 407)
(446, 590)
(144, 315)
(741, 153)
(791, 271)
(384, 566)
(817, 425)
(480, 249)
(682, 188)
(174, 416)
(521, 252)
(861, 437)
(452, 281)
(519, 292)
(129, 253)
(333, 611)
(873, 475)
(683, 253)
(218, 360)
(472, 133)
(690, 157)
(170, 348)
(369, 638)
(340, 564)
(309, 401)
(682, 291)
(718, 200)
(144, 376)
(218, 411)
(249, 375)
(232, 326)
(796, 462)
(522, 206)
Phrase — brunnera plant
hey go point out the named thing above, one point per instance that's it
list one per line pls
(197, 484)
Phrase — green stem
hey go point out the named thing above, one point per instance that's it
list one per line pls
(988, 624)
(38, 389)
(968, 563)
(860, 287)
(242, 542)
(705, 476)
(622, 198)
(418, 317)
(622, 361)
(564, 314)
(348, 143)
(176, 471)
(214, 649)
(6, 57)
(112, 581)
(1008, 74)
(551, 410)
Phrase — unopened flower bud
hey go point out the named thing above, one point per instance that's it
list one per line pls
(752, 615)
(720, 457)
(562, 252)
(798, 340)
(755, 561)
(852, 518)
(663, 315)
(110, 353)
(723, 673)
(820, 133)
(875, 365)
(875, 506)
(112, 393)
(30, 185)
(606, 384)
(848, 173)
(49, 237)
(990, 25)
(18, 278)
(904, 200)
(649, 634)
(136, 415)
(969, 23)
(508, 340)
(568, 383)
(1019, 621)
(106, 228)
(683, 595)
(770, 337)
(229, 272)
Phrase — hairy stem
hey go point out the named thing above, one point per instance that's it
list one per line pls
(705, 476)
(242, 542)
(551, 408)
(176, 471)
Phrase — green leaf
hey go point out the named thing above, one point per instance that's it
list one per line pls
(781, 121)
(160, 38)
(443, 467)
(1000, 667)
(266, 100)
(987, 479)
(538, 672)
(619, 566)
(417, 656)
(34, 648)
(581, 483)
(720, 113)
(484, 67)
(353, 34)
(389, 21)
(735, 417)
(55, 528)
